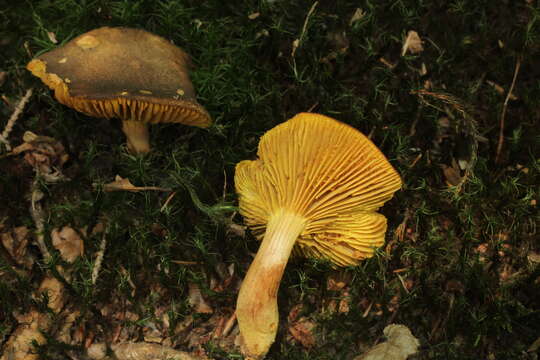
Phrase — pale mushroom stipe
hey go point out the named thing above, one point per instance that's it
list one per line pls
(124, 73)
(314, 189)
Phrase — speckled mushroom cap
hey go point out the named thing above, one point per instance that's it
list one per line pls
(123, 73)
(328, 173)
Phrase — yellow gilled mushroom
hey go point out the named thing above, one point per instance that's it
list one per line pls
(315, 187)
(123, 73)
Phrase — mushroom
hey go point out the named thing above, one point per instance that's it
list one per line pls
(315, 188)
(125, 73)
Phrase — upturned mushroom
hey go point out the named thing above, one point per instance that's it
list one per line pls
(315, 188)
(123, 73)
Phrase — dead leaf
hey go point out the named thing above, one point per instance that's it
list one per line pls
(20, 344)
(337, 280)
(43, 153)
(358, 15)
(16, 242)
(68, 242)
(55, 293)
(121, 184)
(295, 311)
(196, 300)
(452, 174)
(302, 331)
(400, 345)
(534, 257)
(412, 44)
(254, 15)
(52, 37)
(237, 230)
(534, 346)
(344, 306)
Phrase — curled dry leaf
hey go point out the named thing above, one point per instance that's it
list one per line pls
(121, 184)
(400, 345)
(43, 153)
(412, 44)
(68, 242)
(197, 301)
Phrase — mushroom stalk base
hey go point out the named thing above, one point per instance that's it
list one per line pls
(138, 139)
(256, 307)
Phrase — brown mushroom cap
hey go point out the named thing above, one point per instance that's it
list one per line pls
(328, 173)
(125, 73)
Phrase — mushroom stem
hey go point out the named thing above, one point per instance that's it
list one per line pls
(138, 139)
(256, 307)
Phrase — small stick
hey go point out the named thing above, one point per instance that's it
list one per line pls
(99, 257)
(185, 262)
(229, 325)
(14, 116)
(37, 215)
(503, 113)
(167, 201)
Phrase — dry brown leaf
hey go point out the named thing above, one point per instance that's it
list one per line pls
(197, 301)
(452, 174)
(237, 230)
(55, 292)
(43, 153)
(302, 331)
(16, 242)
(69, 326)
(20, 344)
(534, 257)
(52, 37)
(400, 345)
(121, 184)
(295, 311)
(68, 242)
(344, 306)
(534, 346)
(358, 15)
(412, 44)
(337, 280)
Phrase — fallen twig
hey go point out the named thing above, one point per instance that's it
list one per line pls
(138, 351)
(39, 220)
(99, 257)
(13, 118)
(503, 112)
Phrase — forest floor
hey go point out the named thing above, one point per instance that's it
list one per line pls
(456, 110)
